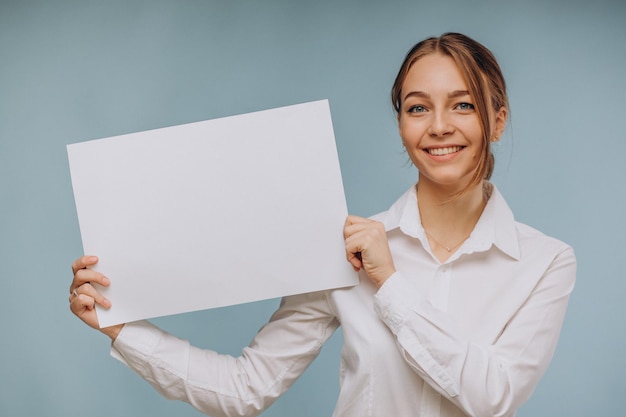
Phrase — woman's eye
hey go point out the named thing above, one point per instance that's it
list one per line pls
(417, 109)
(465, 106)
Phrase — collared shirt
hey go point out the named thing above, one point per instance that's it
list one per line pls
(469, 336)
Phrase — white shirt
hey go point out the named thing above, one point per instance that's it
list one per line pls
(470, 336)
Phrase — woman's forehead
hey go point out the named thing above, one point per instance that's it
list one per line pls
(434, 73)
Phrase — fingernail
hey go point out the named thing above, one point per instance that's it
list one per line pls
(105, 281)
(106, 303)
(93, 259)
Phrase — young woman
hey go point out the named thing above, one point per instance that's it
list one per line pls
(459, 308)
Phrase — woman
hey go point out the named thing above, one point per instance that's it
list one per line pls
(459, 308)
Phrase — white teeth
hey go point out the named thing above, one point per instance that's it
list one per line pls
(444, 151)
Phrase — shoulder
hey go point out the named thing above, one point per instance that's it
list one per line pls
(536, 244)
(532, 243)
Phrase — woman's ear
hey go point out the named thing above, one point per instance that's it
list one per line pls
(500, 122)
(400, 129)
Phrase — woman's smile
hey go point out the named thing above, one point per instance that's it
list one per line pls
(439, 151)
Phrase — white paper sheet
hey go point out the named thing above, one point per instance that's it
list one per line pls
(213, 213)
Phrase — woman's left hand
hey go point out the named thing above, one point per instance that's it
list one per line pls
(367, 248)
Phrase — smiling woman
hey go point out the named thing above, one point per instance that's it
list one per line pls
(439, 125)
(475, 70)
(459, 307)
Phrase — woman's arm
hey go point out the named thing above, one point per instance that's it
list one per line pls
(482, 379)
(218, 385)
(222, 385)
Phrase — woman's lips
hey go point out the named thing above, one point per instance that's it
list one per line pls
(444, 151)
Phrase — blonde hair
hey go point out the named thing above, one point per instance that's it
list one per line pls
(484, 79)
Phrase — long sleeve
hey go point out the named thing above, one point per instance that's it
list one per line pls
(222, 385)
(483, 377)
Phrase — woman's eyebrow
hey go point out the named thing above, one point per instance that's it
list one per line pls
(452, 94)
(458, 93)
(421, 94)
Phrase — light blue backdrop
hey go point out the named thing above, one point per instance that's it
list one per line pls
(74, 70)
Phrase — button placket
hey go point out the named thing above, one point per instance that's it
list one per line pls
(441, 287)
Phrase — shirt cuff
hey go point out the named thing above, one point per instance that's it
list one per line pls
(394, 300)
(136, 342)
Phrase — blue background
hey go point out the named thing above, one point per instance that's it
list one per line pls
(74, 70)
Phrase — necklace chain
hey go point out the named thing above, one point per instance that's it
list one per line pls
(448, 248)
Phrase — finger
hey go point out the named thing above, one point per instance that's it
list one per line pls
(353, 227)
(360, 239)
(355, 260)
(353, 219)
(85, 301)
(88, 290)
(353, 253)
(83, 262)
(83, 307)
(84, 276)
(80, 302)
(356, 239)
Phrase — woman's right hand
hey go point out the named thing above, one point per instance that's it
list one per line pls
(84, 296)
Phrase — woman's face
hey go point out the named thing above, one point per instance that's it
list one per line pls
(438, 123)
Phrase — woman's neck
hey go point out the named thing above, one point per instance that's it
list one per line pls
(447, 219)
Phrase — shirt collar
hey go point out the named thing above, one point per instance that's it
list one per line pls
(496, 225)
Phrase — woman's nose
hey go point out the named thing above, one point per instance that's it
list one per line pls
(440, 124)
